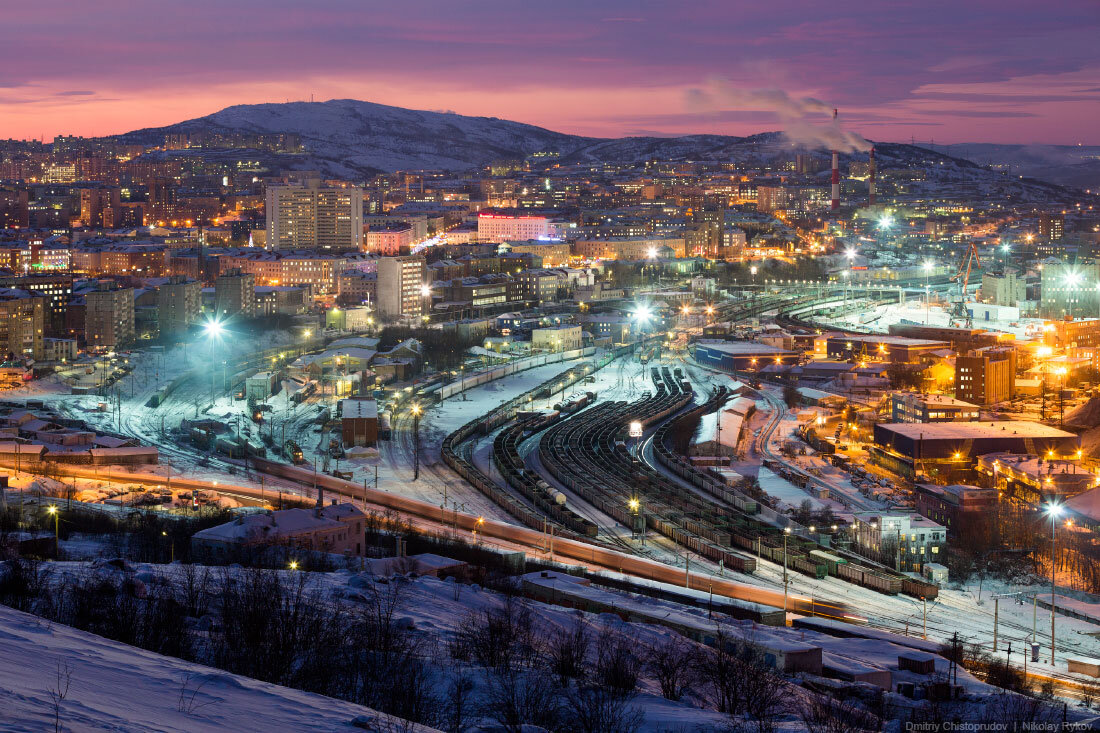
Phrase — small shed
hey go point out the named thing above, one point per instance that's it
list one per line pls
(917, 662)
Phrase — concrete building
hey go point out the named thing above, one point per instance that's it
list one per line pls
(546, 254)
(391, 239)
(914, 407)
(557, 338)
(904, 539)
(986, 376)
(1008, 289)
(235, 294)
(56, 289)
(22, 324)
(1069, 290)
(954, 447)
(336, 529)
(895, 349)
(400, 284)
(109, 317)
(179, 304)
(1035, 478)
(1052, 227)
(259, 386)
(501, 226)
(631, 248)
(959, 507)
(359, 422)
(59, 350)
(354, 287)
(732, 356)
(311, 216)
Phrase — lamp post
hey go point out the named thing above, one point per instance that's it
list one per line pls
(425, 294)
(213, 330)
(927, 292)
(415, 409)
(786, 532)
(52, 509)
(1054, 509)
(1061, 372)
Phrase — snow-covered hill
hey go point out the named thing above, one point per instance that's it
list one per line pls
(90, 683)
(347, 138)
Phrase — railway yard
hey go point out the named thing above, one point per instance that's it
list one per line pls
(590, 458)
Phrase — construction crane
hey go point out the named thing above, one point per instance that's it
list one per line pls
(968, 260)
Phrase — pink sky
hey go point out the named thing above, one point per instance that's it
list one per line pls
(1008, 71)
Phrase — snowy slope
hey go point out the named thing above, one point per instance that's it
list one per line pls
(365, 136)
(121, 688)
(348, 138)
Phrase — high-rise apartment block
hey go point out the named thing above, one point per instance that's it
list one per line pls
(986, 376)
(235, 294)
(109, 317)
(311, 216)
(22, 316)
(1052, 227)
(400, 283)
(179, 304)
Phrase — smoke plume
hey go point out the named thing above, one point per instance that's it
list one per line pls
(795, 114)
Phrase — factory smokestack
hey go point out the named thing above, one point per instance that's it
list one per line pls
(836, 173)
(871, 192)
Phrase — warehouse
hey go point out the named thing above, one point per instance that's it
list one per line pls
(896, 349)
(951, 447)
(359, 423)
(729, 356)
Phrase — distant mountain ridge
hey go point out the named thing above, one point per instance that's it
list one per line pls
(349, 138)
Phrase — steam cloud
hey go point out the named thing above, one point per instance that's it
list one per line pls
(794, 114)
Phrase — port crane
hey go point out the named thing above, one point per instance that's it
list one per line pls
(967, 262)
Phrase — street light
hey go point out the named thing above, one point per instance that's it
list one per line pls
(786, 532)
(214, 330)
(415, 409)
(293, 565)
(52, 509)
(1054, 510)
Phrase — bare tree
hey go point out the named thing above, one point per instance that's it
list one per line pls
(515, 697)
(567, 650)
(821, 714)
(617, 666)
(670, 662)
(60, 691)
(458, 705)
(599, 709)
(741, 682)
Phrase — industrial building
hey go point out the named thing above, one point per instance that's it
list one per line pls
(1035, 478)
(359, 423)
(914, 407)
(986, 376)
(896, 349)
(950, 447)
(741, 355)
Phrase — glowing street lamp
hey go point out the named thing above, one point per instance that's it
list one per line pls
(52, 509)
(1053, 510)
(214, 331)
(415, 410)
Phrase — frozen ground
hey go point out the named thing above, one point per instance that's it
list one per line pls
(115, 687)
(879, 318)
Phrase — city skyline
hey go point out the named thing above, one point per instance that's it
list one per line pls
(980, 73)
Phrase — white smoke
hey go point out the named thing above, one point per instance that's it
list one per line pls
(795, 114)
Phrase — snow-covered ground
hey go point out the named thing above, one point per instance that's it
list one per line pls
(879, 318)
(110, 686)
(117, 687)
